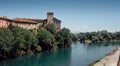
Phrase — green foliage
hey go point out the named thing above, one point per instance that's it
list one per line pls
(6, 41)
(64, 38)
(51, 28)
(21, 36)
(74, 37)
(100, 36)
(24, 40)
(46, 39)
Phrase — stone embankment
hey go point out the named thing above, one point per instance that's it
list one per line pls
(112, 59)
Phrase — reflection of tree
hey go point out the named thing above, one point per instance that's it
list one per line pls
(48, 58)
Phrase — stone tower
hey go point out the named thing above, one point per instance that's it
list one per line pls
(50, 17)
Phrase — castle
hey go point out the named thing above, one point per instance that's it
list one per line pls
(30, 23)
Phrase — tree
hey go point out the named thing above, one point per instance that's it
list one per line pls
(74, 37)
(64, 38)
(51, 28)
(24, 40)
(6, 41)
(46, 39)
(82, 37)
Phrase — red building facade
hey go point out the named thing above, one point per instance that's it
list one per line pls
(4, 22)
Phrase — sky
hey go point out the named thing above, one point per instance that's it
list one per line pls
(77, 15)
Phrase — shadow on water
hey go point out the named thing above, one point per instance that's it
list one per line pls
(48, 58)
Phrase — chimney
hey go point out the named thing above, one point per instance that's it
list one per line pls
(50, 17)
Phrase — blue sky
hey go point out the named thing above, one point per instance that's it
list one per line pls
(77, 15)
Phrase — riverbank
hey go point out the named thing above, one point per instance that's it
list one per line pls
(112, 59)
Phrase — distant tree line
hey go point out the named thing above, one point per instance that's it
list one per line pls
(97, 37)
(16, 41)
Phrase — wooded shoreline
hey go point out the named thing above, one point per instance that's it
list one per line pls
(16, 41)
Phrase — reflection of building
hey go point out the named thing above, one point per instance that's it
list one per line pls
(30, 23)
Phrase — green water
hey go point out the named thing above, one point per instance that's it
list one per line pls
(78, 55)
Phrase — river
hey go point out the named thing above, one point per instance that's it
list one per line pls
(78, 55)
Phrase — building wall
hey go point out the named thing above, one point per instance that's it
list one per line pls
(4, 23)
(57, 25)
(26, 25)
(31, 25)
